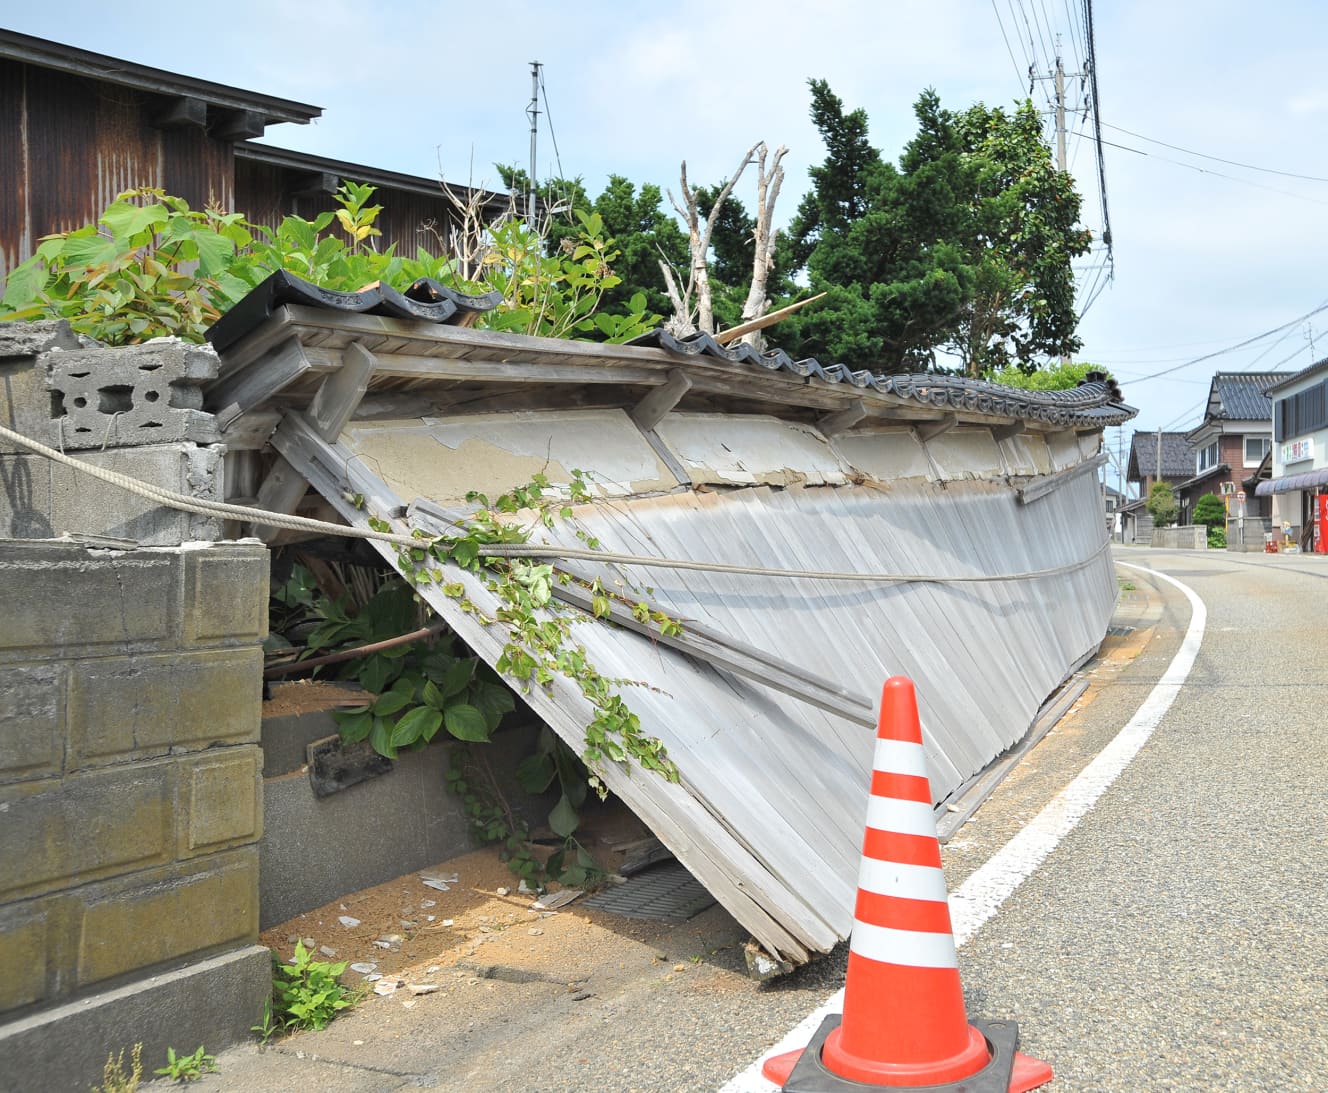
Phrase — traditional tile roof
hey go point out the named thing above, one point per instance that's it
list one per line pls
(1097, 401)
(1239, 396)
(1177, 456)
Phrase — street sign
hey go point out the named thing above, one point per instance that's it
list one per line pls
(1240, 495)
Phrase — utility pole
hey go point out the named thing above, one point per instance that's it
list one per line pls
(1158, 465)
(532, 112)
(1061, 164)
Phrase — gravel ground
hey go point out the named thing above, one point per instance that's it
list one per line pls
(1176, 940)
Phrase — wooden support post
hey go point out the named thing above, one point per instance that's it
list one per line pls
(341, 392)
(652, 409)
(841, 421)
(932, 429)
(281, 491)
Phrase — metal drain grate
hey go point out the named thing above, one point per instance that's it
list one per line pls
(667, 893)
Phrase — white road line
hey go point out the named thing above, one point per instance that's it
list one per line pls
(981, 895)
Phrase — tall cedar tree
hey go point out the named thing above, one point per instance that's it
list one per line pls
(964, 248)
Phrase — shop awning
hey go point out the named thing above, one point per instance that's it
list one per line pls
(1291, 482)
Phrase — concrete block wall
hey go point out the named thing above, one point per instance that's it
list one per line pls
(135, 410)
(1185, 537)
(130, 793)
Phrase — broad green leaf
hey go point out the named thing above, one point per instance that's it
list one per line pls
(535, 773)
(125, 220)
(23, 284)
(466, 723)
(381, 738)
(458, 676)
(419, 724)
(433, 696)
(392, 702)
(563, 819)
(214, 252)
(354, 725)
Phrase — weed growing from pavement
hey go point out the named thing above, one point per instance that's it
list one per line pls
(114, 1079)
(187, 1068)
(306, 993)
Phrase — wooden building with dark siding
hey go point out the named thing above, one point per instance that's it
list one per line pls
(77, 128)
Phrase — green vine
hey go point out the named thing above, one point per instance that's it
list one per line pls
(539, 644)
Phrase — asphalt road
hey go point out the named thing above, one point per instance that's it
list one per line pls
(1176, 939)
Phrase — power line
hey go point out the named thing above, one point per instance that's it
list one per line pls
(1215, 159)
(1097, 122)
(1000, 23)
(1215, 174)
(1233, 348)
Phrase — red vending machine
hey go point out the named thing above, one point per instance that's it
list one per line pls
(1321, 531)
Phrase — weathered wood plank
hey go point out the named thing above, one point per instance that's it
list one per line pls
(652, 409)
(281, 491)
(842, 420)
(341, 392)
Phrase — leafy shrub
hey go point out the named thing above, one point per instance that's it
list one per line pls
(150, 266)
(1217, 538)
(306, 993)
(1210, 511)
(1161, 504)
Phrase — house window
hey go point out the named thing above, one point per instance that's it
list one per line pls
(1206, 458)
(1256, 447)
(1302, 413)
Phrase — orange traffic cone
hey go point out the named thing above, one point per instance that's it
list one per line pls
(904, 1023)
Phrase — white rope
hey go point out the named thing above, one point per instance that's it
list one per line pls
(185, 503)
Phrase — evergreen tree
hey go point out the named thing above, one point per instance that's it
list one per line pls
(963, 248)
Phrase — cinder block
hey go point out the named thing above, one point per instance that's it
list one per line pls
(212, 1001)
(87, 505)
(30, 339)
(32, 741)
(222, 801)
(226, 593)
(58, 597)
(64, 832)
(138, 394)
(23, 953)
(182, 910)
(136, 706)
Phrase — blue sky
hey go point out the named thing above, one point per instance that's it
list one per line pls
(1207, 254)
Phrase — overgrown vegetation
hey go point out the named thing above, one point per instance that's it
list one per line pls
(1057, 377)
(418, 690)
(306, 993)
(151, 266)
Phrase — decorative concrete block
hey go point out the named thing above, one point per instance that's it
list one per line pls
(222, 801)
(179, 910)
(138, 706)
(59, 597)
(226, 593)
(138, 394)
(86, 827)
(32, 743)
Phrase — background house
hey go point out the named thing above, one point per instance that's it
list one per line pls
(77, 128)
(1298, 487)
(1177, 466)
(1232, 440)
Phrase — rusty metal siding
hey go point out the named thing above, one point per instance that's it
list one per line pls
(69, 144)
(197, 168)
(16, 239)
(262, 193)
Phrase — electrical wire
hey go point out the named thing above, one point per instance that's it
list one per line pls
(1233, 348)
(1215, 159)
(1001, 23)
(1216, 174)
